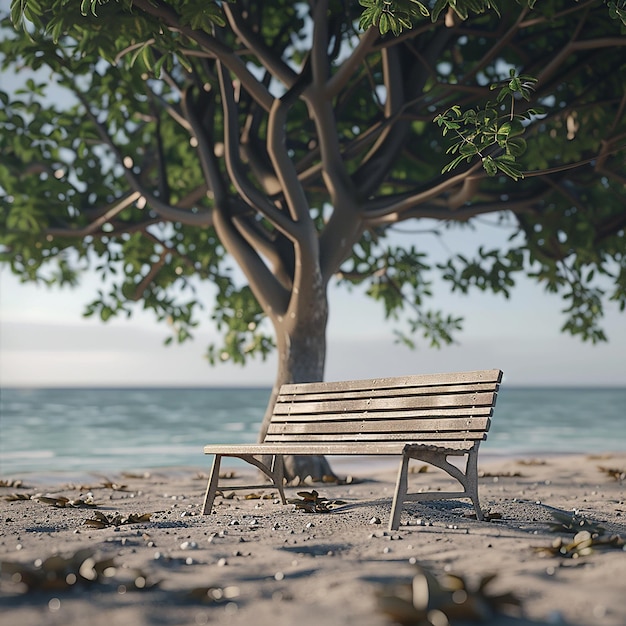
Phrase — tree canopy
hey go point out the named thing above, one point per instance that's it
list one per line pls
(158, 141)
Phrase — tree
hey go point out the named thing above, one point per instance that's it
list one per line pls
(292, 137)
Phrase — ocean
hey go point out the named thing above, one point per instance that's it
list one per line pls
(113, 430)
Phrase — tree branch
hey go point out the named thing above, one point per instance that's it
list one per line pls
(164, 12)
(382, 207)
(231, 154)
(273, 63)
(341, 77)
(107, 215)
(270, 294)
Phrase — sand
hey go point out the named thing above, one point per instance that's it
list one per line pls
(256, 562)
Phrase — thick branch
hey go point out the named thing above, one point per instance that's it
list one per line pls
(341, 77)
(271, 296)
(380, 208)
(165, 210)
(231, 154)
(283, 166)
(576, 46)
(165, 13)
(206, 150)
(446, 214)
(372, 171)
(270, 61)
(266, 246)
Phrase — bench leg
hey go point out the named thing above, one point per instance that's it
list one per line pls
(400, 493)
(471, 484)
(278, 474)
(211, 489)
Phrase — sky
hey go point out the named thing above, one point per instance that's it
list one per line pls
(45, 341)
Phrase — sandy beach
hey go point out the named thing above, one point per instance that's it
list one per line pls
(144, 554)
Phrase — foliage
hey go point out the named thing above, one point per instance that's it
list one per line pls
(160, 143)
(480, 130)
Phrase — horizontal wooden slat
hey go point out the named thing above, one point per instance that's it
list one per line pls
(432, 413)
(404, 426)
(408, 402)
(358, 449)
(333, 393)
(494, 376)
(465, 435)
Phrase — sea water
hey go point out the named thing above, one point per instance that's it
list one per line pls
(111, 430)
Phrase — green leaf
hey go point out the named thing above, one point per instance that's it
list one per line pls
(490, 166)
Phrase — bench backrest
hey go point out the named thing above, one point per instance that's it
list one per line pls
(424, 409)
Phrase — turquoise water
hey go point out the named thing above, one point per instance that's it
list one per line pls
(103, 430)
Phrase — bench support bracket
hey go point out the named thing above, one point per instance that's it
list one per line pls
(275, 472)
(438, 458)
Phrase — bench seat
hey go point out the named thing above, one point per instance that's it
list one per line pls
(426, 417)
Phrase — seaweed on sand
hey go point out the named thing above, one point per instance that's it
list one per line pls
(574, 524)
(614, 473)
(583, 544)
(17, 497)
(433, 601)
(58, 573)
(61, 502)
(12, 483)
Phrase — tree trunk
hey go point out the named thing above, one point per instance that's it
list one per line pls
(301, 343)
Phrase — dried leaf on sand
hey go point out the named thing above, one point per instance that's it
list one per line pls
(103, 521)
(312, 502)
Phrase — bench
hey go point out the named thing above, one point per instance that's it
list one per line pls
(427, 417)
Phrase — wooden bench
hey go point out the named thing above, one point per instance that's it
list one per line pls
(428, 418)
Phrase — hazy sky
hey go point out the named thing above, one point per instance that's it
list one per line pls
(45, 341)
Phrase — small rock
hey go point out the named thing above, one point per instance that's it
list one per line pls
(375, 520)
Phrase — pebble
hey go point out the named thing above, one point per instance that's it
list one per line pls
(188, 545)
(375, 520)
(222, 562)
